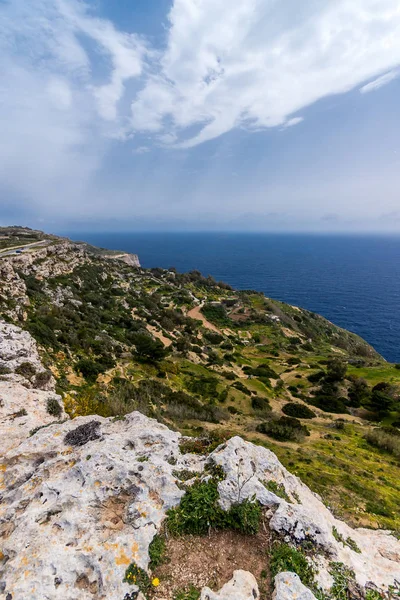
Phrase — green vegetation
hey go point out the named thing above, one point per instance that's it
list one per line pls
(284, 429)
(134, 575)
(122, 339)
(53, 407)
(199, 512)
(157, 550)
(296, 409)
(191, 594)
(277, 488)
(287, 558)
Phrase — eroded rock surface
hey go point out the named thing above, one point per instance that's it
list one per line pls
(288, 586)
(302, 516)
(242, 586)
(82, 499)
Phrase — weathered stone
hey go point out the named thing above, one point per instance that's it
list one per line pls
(288, 586)
(242, 586)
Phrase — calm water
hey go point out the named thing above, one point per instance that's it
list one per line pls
(354, 281)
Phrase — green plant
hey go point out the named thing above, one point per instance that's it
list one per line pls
(299, 410)
(53, 407)
(26, 369)
(287, 558)
(277, 488)
(157, 549)
(345, 541)
(190, 594)
(199, 512)
(342, 578)
(134, 575)
(284, 429)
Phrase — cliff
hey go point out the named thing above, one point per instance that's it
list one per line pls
(166, 436)
(83, 499)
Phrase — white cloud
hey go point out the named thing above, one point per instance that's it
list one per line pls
(256, 63)
(62, 75)
(380, 81)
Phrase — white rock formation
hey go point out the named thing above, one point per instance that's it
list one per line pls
(289, 587)
(17, 347)
(242, 586)
(74, 517)
(305, 517)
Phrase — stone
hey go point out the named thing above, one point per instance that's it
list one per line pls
(288, 586)
(242, 586)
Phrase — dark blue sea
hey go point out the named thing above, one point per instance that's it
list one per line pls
(353, 281)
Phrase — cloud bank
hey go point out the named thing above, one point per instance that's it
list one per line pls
(73, 85)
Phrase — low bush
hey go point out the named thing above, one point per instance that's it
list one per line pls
(296, 409)
(26, 369)
(286, 558)
(157, 550)
(199, 512)
(53, 407)
(261, 404)
(385, 438)
(284, 429)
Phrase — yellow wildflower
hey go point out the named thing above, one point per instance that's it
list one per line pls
(155, 582)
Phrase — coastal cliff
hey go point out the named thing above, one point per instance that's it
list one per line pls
(165, 436)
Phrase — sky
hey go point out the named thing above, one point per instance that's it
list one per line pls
(264, 115)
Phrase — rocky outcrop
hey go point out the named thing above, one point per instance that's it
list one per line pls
(130, 259)
(242, 586)
(26, 388)
(300, 515)
(57, 258)
(81, 500)
(289, 587)
(19, 359)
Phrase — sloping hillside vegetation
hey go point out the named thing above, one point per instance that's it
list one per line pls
(211, 361)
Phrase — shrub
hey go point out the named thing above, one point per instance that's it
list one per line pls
(26, 369)
(284, 429)
(296, 409)
(385, 438)
(199, 512)
(260, 403)
(89, 369)
(4, 370)
(148, 349)
(286, 558)
(316, 377)
(242, 388)
(53, 407)
(134, 575)
(42, 378)
(83, 434)
(157, 549)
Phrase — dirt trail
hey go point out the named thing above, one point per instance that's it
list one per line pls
(195, 313)
(159, 335)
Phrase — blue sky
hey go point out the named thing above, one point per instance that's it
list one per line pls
(200, 114)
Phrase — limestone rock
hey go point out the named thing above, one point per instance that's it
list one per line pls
(304, 517)
(74, 517)
(242, 586)
(289, 587)
(17, 347)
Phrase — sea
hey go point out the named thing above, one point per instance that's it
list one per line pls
(352, 280)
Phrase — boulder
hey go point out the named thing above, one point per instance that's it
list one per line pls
(288, 586)
(242, 586)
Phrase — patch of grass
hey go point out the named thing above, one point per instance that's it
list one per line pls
(287, 558)
(134, 575)
(277, 488)
(199, 512)
(190, 594)
(53, 407)
(342, 578)
(157, 550)
(345, 541)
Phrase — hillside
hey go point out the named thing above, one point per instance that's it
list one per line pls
(208, 362)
